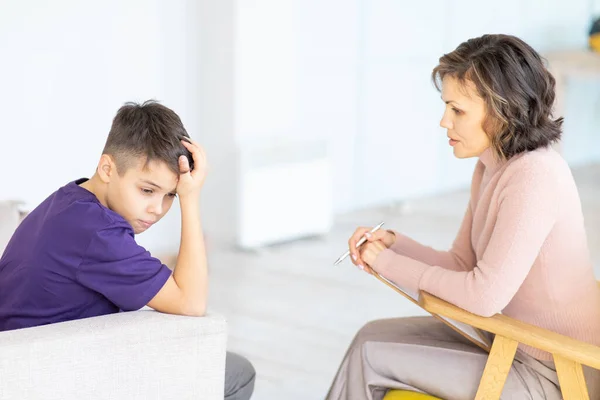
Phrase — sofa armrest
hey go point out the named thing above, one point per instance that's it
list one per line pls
(130, 355)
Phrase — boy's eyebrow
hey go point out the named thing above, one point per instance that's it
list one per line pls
(156, 186)
(151, 183)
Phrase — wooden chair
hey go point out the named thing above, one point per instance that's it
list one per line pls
(569, 354)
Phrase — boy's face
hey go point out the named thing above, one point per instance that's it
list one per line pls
(142, 196)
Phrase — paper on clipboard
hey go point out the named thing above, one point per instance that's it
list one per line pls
(473, 334)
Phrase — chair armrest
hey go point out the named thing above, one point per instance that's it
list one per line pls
(522, 332)
(129, 355)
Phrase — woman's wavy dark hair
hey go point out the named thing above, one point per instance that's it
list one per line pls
(518, 91)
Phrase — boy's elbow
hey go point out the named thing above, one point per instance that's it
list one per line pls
(200, 312)
(171, 299)
(195, 309)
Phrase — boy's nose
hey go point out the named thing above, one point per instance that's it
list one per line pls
(155, 209)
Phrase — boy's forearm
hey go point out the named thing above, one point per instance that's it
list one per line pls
(190, 273)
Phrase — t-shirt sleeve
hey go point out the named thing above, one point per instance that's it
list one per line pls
(115, 266)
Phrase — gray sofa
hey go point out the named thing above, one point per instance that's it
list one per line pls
(133, 355)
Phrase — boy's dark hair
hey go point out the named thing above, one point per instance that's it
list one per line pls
(150, 131)
(517, 89)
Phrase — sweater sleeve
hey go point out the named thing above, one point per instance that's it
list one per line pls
(527, 211)
(460, 257)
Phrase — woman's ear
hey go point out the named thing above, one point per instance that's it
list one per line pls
(492, 125)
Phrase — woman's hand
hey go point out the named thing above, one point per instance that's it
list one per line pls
(368, 254)
(386, 239)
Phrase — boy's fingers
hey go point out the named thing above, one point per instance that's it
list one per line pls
(198, 153)
(190, 146)
(199, 161)
(192, 141)
(184, 165)
(194, 147)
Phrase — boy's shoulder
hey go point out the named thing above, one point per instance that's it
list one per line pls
(73, 210)
(67, 227)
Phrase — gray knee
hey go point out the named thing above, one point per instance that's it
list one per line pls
(239, 377)
(369, 330)
(383, 329)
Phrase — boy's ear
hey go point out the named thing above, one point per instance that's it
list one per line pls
(106, 168)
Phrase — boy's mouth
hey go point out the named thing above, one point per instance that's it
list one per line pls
(145, 224)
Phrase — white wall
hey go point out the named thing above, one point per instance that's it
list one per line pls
(399, 134)
(215, 112)
(355, 72)
(595, 7)
(294, 91)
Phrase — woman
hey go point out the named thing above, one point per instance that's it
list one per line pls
(521, 249)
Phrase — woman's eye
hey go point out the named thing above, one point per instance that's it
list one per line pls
(456, 110)
(172, 195)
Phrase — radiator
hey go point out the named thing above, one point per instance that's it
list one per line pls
(285, 193)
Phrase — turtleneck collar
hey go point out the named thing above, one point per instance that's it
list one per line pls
(490, 160)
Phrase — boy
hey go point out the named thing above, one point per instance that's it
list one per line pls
(75, 255)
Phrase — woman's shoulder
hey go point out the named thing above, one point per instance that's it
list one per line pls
(541, 169)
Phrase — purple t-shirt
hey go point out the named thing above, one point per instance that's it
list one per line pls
(74, 258)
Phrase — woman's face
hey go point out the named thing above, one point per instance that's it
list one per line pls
(463, 118)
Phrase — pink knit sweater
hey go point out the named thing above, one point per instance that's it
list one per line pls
(521, 250)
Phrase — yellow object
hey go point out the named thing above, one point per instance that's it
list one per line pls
(595, 42)
(406, 395)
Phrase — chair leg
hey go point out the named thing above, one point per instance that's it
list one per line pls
(571, 379)
(497, 368)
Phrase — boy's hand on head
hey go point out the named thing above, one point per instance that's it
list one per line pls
(190, 182)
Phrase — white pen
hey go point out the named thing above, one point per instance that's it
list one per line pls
(360, 242)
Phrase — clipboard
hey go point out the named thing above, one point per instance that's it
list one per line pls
(474, 335)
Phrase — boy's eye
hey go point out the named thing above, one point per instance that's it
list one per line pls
(172, 195)
(147, 191)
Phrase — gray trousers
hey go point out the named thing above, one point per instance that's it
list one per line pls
(424, 355)
(239, 377)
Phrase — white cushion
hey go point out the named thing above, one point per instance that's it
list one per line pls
(9, 220)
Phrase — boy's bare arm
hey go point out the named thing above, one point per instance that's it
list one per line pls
(186, 290)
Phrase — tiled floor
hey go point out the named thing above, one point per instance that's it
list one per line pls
(293, 314)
